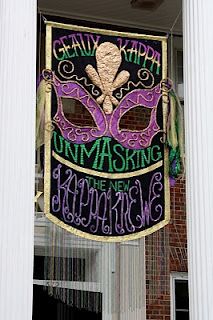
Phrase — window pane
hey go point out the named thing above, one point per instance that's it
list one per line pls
(179, 66)
(47, 307)
(181, 294)
(180, 315)
(38, 267)
(75, 268)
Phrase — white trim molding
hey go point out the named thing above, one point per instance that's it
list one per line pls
(175, 276)
(198, 100)
(17, 165)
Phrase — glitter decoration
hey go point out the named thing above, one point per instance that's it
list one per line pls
(106, 182)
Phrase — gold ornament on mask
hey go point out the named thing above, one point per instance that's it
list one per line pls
(108, 59)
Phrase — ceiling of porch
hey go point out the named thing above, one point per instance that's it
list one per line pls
(118, 12)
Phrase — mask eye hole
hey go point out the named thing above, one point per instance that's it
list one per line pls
(137, 118)
(76, 113)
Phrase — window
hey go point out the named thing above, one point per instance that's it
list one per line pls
(176, 64)
(179, 73)
(179, 65)
(46, 305)
(179, 296)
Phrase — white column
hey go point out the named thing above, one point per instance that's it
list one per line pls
(198, 104)
(17, 128)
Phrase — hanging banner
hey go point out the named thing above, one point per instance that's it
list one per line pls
(105, 181)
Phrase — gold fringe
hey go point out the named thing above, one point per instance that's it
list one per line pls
(104, 31)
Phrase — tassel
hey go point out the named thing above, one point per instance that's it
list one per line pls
(40, 120)
(40, 113)
(175, 137)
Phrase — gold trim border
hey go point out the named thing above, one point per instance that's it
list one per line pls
(104, 31)
(107, 175)
(52, 218)
(47, 136)
(166, 151)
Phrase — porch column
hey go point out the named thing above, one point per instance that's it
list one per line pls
(198, 105)
(17, 131)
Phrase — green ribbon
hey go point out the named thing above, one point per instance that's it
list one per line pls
(175, 136)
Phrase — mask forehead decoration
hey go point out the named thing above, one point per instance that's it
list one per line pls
(108, 58)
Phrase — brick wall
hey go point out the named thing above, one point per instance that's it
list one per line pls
(136, 119)
(166, 252)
